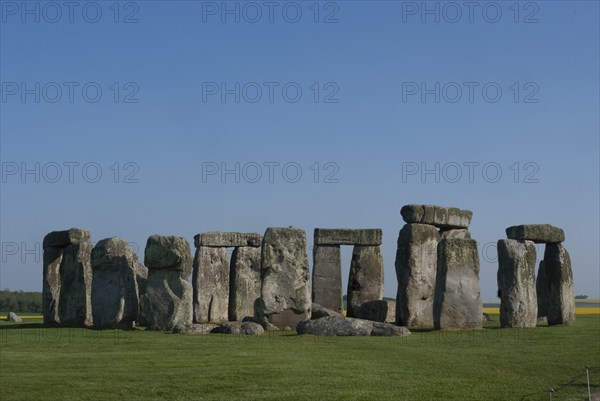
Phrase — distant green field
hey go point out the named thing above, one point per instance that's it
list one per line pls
(494, 364)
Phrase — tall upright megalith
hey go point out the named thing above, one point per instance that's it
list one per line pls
(561, 299)
(168, 300)
(416, 270)
(457, 301)
(285, 287)
(365, 281)
(115, 290)
(67, 278)
(244, 282)
(516, 283)
(211, 284)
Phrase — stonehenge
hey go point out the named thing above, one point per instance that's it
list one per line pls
(525, 298)
(67, 278)
(366, 271)
(225, 291)
(437, 268)
(266, 283)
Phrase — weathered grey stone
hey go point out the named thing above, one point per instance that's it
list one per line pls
(167, 303)
(243, 328)
(461, 233)
(457, 300)
(13, 317)
(343, 326)
(542, 287)
(51, 285)
(485, 317)
(168, 253)
(561, 300)
(141, 278)
(244, 282)
(416, 269)
(542, 321)
(538, 233)
(378, 311)
(442, 217)
(516, 283)
(285, 289)
(115, 293)
(202, 328)
(347, 236)
(62, 239)
(365, 281)
(67, 276)
(75, 272)
(211, 285)
(319, 311)
(327, 276)
(226, 239)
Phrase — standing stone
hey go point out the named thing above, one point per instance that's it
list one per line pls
(211, 285)
(168, 300)
(416, 270)
(285, 288)
(244, 282)
(327, 277)
(67, 278)
(516, 282)
(542, 287)
(115, 294)
(378, 311)
(365, 281)
(561, 300)
(51, 286)
(457, 301)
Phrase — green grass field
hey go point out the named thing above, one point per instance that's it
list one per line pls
(494, 364)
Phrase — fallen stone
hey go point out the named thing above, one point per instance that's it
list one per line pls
(343, 326)
(202, 328)
(416, 270)
(538, 233)
(327, 276)
(243, 328)
(13, 317)
(115, 293)
(211, 285)
(516, 282)
(285, 287)
(542, 321)
(441, 217)
(485, 317)
(378, 311)
(347, 236)
(365, 281)
(244, 282)
(319, 311)
(227, 239)
(168, 253)
(457, 300)
(561, 299)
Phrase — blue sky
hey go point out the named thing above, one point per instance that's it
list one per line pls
(361, 121)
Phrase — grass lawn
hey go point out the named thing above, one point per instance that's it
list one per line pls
(494, 364)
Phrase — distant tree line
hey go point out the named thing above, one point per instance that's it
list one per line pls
(20, 302)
